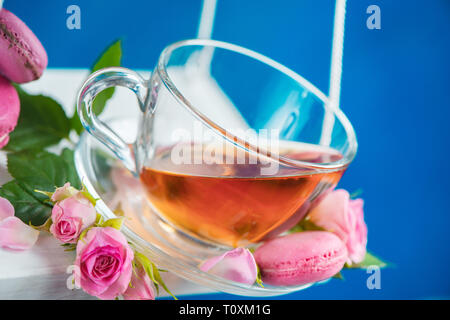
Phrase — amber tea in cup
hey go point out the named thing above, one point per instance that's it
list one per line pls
(233, 203)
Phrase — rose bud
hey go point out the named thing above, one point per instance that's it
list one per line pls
(71, 216)
(63, 192)
(337, 213)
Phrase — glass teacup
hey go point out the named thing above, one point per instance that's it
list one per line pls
(232, 146)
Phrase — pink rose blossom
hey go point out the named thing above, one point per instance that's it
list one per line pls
(237, 265)
(104, 261)
(141, 287)
(14, 234)
(64, 192)
(71, 216)
(344, 217)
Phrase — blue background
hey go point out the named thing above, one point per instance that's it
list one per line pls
(395, 90)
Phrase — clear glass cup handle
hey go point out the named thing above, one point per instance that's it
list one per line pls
(97, 82)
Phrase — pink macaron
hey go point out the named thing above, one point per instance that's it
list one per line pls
(301, 258)
(9, 110)
(22, 56)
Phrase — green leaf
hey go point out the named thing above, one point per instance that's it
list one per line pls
(152, 272)
(44, 227)
(42, 170)
(258, 277)
(305, 225)
(99, 220)
(83, 234)
(42, 123)
(46, 193)
(69, 157)
(148, 268)
(369, 260)
(115, 223)
(28, 208)
(75, 123)
(88, 196)
(118, 211)
(356, 193)
(338, 276)
(111, 57)
(158, 278)
(69, 246)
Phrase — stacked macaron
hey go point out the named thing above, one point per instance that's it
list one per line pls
(22, 59)
(9, 110)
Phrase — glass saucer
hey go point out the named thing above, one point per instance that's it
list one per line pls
(107, 180)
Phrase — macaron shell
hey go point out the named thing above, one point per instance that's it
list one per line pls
(9, 110)
(22, 56)
(301, 258)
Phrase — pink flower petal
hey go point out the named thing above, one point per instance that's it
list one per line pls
(16, 235)
(236, 265)
(120, 285)
(358, 239)
(4, 140)
(142, 287)
(6, 209)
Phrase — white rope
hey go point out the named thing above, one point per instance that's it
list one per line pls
(205, 30)
(336, 70)
(206, 19)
